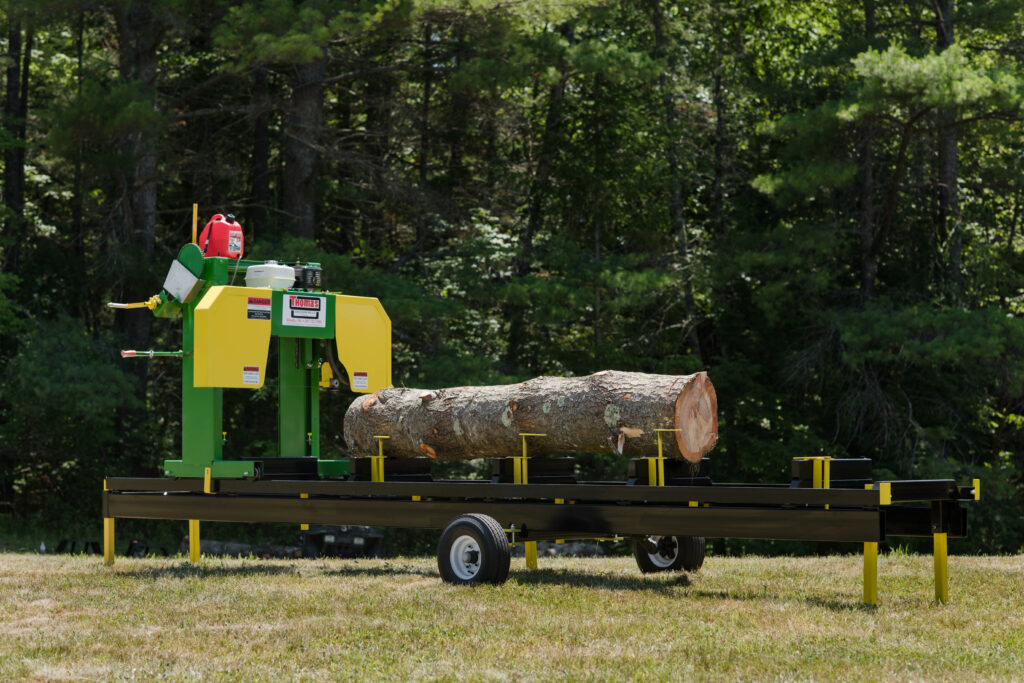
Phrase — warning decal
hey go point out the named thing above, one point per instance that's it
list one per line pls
(258, 308)
(360, 379)
(304, 310)
(251, 374)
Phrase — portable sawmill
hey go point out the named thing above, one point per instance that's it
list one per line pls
(325, 339)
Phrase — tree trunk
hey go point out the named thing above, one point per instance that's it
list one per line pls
(260, 155)
(868, 260)
(517, 310)
(675, 208)
(302, 138)
(948, 218)
(139, 33)
(608, 412)
(15, 115)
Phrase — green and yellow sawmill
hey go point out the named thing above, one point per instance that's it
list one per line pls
(667, 506)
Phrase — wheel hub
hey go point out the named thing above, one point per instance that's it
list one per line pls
(667, 551)
(465, 557)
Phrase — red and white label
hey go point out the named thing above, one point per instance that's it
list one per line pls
(251, 374)
(360, 379)
(304, 310)
(258, 308)
(235, 241)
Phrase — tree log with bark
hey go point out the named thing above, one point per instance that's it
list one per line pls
(609, 411)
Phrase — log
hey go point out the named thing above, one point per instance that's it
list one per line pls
(607, 412)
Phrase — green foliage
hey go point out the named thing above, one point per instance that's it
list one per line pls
(747, 188)
(65, 400)
(949, 78)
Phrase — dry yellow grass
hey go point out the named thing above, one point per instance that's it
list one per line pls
(738, 618)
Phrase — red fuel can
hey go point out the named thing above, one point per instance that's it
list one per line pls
(222, 236)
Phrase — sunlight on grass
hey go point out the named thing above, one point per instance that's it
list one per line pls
(747, 618)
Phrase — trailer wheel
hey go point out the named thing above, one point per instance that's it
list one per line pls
(473, 549)
(669, 553)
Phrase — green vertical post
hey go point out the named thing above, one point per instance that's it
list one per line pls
(313, 382)
(293, 401)
(202, 411)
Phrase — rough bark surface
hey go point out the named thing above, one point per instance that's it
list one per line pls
(609, 411)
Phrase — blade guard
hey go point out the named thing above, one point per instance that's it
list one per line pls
(362, 337)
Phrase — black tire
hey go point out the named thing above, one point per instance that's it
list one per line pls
(672, 554)
(473, 549)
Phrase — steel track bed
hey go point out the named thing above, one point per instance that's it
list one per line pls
(564, 511)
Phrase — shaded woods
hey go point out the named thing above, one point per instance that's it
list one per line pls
(819, 203)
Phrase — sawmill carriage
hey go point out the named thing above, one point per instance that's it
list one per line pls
(664, 425)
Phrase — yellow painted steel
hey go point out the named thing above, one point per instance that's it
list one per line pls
(821, 472)
(560, 501)
(195, 221)
(870, 568)
(659, 474)
(207, 480)
(530, 548)
(941, 569)
(521, 475)
(976, 483)
(108, 538)
(884, 493)
(326, 375)
(304, 527)
(362, 333)
(377, 461)
(151, 303)
(416, 499)
(871, 573)
(193, 540)
(230, 348)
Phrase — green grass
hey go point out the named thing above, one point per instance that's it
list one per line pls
(738, 618)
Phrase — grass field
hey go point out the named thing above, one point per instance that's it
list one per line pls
(738, 618)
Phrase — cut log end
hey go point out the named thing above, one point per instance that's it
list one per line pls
(696, 418)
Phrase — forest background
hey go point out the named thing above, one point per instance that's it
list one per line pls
(820, 203)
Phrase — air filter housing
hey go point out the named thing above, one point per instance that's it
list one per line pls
(309, 277)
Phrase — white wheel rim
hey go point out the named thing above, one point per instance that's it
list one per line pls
(663, 561)
(464, 557)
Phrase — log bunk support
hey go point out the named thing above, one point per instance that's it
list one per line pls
(827, 500)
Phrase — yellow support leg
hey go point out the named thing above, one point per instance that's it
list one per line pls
(193, 540)
(108, 541)
(521, 475)
(531, 554)
(560, 501)
(941, 570)
(871, 573)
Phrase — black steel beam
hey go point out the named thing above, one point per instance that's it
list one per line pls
(915, 491)
(922, 521)
(597, 520)
(718, 494)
